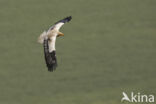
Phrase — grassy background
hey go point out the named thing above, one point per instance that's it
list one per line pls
(109, 47)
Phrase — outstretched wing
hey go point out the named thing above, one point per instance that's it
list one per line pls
(60, 23)
(50, 57)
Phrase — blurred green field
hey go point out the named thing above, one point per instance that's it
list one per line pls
(109, 47)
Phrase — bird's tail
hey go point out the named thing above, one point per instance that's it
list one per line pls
(42, 37)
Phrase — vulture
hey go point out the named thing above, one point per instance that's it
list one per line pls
(48, 39)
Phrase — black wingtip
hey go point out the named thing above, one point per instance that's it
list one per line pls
(68, 18)
(53, 63)
(51, 69)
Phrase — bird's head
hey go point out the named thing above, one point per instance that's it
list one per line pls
(60, 34)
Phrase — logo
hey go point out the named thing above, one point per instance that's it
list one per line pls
(138, 97)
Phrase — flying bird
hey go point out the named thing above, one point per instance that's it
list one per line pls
(48, 39)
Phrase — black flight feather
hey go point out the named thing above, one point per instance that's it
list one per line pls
(50, 57)
(67, 19)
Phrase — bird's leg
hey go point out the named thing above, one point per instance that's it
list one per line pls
(60, 34)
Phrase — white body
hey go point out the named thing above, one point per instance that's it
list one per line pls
(51, 34)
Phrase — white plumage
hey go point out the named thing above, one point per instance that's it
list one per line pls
(48, 39)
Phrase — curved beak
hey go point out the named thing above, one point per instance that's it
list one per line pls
(60, 34)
